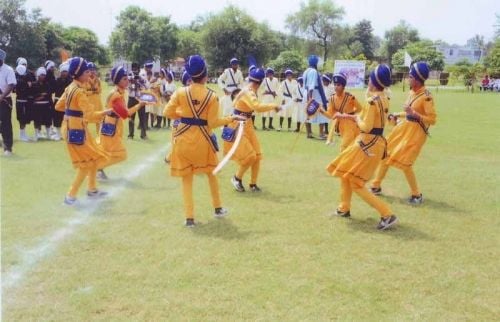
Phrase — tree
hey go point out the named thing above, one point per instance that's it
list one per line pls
(21, 34)
(467, 72)
(234, 33)
(362, 40)
(423, 50)
(288, 59)
(492, 61)
(189, 43)
(139, 36)
(318, 19)
(84, 42)
(398, 37)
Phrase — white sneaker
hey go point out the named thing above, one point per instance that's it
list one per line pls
(23, 137)
(55, 137)
(70, 201)
(39, 135)
(7, 153)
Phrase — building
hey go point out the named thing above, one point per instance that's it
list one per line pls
(454, 53)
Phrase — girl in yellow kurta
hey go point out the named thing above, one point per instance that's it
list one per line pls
(84, 153)
(94, 91)
(344, 103)
(357, 163)
(248, 154)
(110, 136)
(194, 149)
(409, 135)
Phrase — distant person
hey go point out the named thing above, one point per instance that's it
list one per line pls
(344, 103)
(288, 91)
(485, 83)
(269, 95)
(24, 112)
(7, 84)
(409, 135)
(230, 80)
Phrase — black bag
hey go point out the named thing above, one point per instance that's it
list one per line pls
(76, 136)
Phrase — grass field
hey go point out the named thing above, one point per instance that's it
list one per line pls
(279, 256)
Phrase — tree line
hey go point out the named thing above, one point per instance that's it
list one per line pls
(139, 35)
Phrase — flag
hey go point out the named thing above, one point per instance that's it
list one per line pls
(407, 60)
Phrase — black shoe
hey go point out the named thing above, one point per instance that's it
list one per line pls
(101, 175)
(130, 137)
(190, 223)
(255, 188)
(271, 128)
(416, 200)
(220, 212)
(387, 222)
(144, 137)
(237, 184)
(345, 214)
(377, 191)
(264, 129)
(310, 136)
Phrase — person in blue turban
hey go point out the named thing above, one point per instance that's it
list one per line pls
(409, 136)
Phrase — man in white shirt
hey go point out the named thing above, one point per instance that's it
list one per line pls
(7, 83)
(269, 94)
(230, 80)
(288, 91)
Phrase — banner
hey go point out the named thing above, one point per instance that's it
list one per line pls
(354, 70)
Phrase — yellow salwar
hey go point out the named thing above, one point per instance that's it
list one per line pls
(192, 150)
(87, 157)
(356, 164)
(407, 139)
(248, 154)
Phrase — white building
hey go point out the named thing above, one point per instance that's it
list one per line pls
(454, 53)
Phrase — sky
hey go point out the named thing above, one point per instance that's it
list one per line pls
(452, 21)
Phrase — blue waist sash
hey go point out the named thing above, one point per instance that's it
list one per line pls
(411, 118)
(376, 131)
(193, 121)
(246, 114)
(73, 113)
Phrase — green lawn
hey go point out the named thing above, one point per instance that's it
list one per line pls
(279, 256)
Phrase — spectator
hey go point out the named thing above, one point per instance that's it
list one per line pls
(484, 83)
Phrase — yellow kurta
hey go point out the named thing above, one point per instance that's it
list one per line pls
(359, 160)
(88, 154)
(114, 144)
(192, 151)
(407, 138)
(347, 129)
(249, 147)
(94, 90)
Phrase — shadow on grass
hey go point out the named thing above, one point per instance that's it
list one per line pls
(428, 203)
(400, 230)
(220, 228)
(266, 195)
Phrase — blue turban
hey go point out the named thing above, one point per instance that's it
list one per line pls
(420, 71)
(148, 64)
(77, 66)
(91, 65)
(234, 61)
(252, 67)
(196, 66)
(3, 54)
(167, 73)
(117, 73)
(313, 61)
(269, 70)
(381, 76)
(300, 80)
(326, 78)
(288, 72)
(257, 75)
(340, 79)
(185, 78)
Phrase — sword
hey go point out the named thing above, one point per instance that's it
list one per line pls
(229, 154)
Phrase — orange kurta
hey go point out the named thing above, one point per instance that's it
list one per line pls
(192, 151)
(88, 154)
(114, 144)
(249, 146)
(347, 129)
(359, 160)
(94, 90)
(408, 137)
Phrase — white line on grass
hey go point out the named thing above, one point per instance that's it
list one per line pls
(49, 244)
